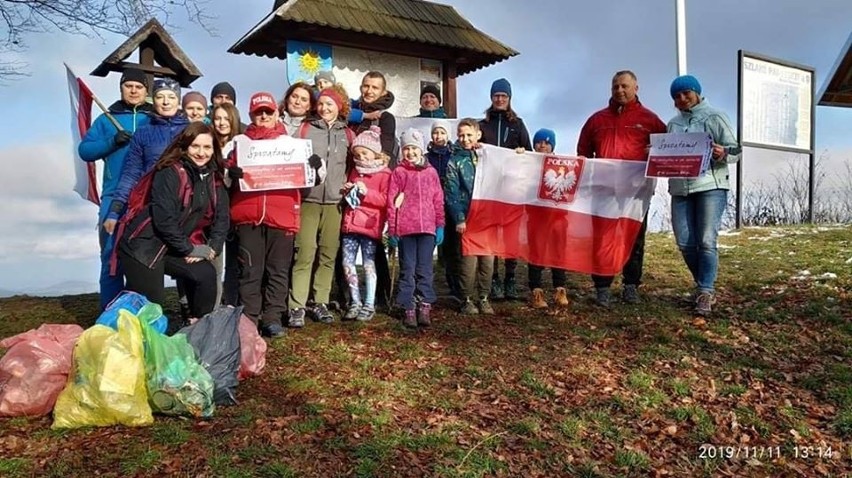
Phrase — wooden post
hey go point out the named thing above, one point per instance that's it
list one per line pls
(450, 103)
(146, 59)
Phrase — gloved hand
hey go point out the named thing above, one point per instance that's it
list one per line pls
(202, 251)
(439, 235)
(393, 241)
(235, 172)
(122, 137)
(315, 161)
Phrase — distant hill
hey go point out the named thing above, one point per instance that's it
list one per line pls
(62, 288)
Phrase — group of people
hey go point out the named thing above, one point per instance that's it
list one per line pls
(172, 204)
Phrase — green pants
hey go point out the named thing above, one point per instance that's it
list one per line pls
(319, 232)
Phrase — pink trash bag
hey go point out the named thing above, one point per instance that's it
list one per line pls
(252, 349)
(35, 369)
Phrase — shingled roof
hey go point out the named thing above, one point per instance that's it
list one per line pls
(406, 27)
(837, 90)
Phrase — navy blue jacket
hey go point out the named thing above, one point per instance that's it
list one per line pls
(500, 131)
(439, 157)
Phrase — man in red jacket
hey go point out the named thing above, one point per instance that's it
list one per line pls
(622, 130)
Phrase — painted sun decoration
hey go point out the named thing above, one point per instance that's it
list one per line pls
(305, 59)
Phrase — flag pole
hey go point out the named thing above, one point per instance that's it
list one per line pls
(98, 102)
(680, 13)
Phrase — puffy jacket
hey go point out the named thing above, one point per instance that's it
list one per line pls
(422, 209)
(458, 189)
(331, 144)
(439, 157)
(369, 217)
(145, 149)
(166, 227)
(99, 144)
(500, 131)
(278, 209)
(619, 132)
(704, 118)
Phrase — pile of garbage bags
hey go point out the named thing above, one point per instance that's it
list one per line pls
(123, 369)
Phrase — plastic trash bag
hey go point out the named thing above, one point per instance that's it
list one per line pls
(35, 368)
(148, 312)
(177, 383)
(217, 345)
(107, 383)
(252, 349)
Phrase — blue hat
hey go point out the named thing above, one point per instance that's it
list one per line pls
(501, 86)
(546, 135)
(684, 83)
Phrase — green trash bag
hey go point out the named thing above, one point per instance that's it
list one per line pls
(177, 383)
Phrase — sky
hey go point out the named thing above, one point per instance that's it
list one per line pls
(568, 53)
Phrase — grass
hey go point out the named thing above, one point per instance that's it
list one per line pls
(582, 392)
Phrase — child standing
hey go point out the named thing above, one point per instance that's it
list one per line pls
(439, 153)
(415, 225)
(475, 270)
(366, 194)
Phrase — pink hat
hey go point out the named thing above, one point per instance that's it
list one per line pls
(193, 96)
(370, 139)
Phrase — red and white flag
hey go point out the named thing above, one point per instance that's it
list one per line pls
(85, 173)
(572, 213)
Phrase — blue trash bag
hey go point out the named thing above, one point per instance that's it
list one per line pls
(135, 303)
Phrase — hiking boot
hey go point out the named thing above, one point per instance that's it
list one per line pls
(496, 289)
(704, 304)
(469, 308)
(560, 297)
(603, 297)
(423, 312)
(273, 331)
(510, 291)
(410, 319)
(297, 318)
(322, 314)
(630, 294)
(352, 312)
(366, 313)
(537, 299)
(485, 306)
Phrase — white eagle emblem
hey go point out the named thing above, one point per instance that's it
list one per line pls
(559, 183)
(559, 178)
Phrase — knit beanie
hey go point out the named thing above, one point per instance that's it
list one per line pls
(439, 125)
(193, 96)
(370, 139)
(166, 84)
(411, 137)
(685, 83)
(324, 75)
(134, 74)
(431, 88)
(224, 88)
(501, 86)
(546, 135)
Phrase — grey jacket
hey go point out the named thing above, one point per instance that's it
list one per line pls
(332, 145)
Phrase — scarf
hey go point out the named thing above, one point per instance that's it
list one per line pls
(259, 132)
(369, 167)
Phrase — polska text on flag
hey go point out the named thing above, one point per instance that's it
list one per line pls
(579, 214)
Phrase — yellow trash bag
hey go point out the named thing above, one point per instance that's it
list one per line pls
(107, 383)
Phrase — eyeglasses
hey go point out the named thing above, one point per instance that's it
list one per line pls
(264, 113)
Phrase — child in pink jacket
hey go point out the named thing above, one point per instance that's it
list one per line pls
(364, 216)
(415, 225)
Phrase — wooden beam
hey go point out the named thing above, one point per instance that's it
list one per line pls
(450, 92)
(146, 60)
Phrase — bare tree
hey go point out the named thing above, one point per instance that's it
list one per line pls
(20, 18)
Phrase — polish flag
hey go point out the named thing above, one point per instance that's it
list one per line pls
(85, 173)
(567, 212)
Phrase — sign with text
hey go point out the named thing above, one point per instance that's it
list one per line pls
(270, 164)
(679, 155)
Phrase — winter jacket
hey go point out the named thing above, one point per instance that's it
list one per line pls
(331, 144)
(278, 209)
(500, 131)
(422, 209)
(144, 151)
(166, 227)
(369, 217)
(619, 132)
(704, 118)
(387, 122)
(438, 113)
(99, 143)
(458, 189)
(439, 157)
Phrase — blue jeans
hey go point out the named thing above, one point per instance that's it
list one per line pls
(351, 244)
(696, 219)
(110, 286)
(415, 260)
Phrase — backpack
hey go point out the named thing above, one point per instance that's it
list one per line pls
(350, 138)
(139, 200)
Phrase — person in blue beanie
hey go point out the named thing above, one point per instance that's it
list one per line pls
(504, 128)
(698, 203)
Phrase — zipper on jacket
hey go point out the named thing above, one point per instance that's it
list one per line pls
(499, 130)
(157, 257)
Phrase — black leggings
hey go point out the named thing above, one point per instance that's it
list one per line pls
(199, 280)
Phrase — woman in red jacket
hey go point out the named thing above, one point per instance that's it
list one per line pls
(366, 194)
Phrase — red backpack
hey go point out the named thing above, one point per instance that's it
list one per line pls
(140, 198)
